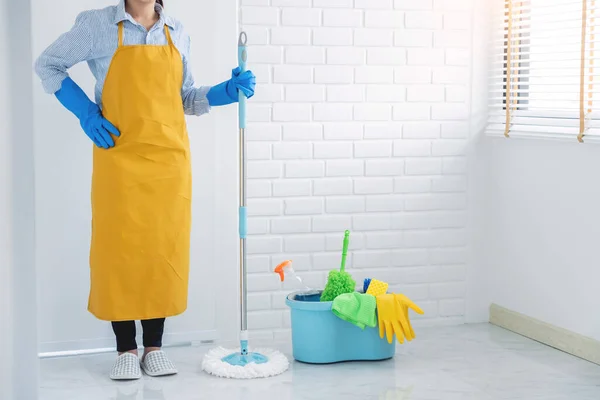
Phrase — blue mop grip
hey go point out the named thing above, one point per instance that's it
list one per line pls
(242, 59)
(243, 222)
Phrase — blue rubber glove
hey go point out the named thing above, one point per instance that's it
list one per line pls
(94, 125)
(228, 92)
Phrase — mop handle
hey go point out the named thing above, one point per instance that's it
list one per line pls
(243, 215)
(345, 250)
(242, 58)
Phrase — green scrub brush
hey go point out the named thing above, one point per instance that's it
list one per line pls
(339, 282)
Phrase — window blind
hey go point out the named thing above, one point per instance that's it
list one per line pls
(544, 68)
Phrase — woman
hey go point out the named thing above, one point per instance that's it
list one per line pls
(141, 183)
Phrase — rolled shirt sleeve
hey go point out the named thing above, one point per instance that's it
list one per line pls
(194, 98)
(69, 49)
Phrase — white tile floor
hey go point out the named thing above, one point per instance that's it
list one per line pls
(475, 362)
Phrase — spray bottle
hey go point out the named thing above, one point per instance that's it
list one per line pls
(285, 268)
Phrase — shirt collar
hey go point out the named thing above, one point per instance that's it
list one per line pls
(123, 15)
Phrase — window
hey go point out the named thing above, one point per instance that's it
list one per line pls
(543, 69)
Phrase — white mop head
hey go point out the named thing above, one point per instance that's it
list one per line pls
(214, 365)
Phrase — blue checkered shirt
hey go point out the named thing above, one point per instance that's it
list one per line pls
(94, 39)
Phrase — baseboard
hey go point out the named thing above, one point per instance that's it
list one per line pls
(553, 336)
(104, 345)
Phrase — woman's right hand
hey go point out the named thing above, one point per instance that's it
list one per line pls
(95, 126)
(98, 128)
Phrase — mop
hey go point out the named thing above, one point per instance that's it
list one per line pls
(243, 363)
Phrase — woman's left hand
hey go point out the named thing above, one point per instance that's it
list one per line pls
(244, 81)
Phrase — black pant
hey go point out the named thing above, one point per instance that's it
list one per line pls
(125, 333)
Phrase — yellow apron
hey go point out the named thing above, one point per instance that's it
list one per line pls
(141, 189)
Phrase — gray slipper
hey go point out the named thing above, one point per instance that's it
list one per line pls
(126, 368)
(156, 363)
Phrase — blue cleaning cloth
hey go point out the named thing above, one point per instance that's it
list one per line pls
(95, 126)
(228, 92)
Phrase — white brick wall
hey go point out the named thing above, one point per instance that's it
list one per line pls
(360, 122)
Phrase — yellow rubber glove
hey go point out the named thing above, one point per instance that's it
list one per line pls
(388, 311)
(393, 318)
(404, 303)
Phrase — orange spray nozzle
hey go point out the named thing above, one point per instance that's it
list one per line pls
(280, 269)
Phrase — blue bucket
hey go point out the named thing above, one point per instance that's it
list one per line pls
(319, 337)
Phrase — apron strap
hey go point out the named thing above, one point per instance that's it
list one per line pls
(168, 35)
(120, 33)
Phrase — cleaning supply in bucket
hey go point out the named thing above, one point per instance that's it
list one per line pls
(393, 318)
(285, 268)
(356, 308)
(339, 282)
(366, 284)
(388, 315)
(377, 288)
(406, 304)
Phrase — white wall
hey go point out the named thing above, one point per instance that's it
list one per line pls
(6, 261)
(535, 215)
(360, 122)
(543, 231)
(477, 302)
(18, 334)
(63, 170)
